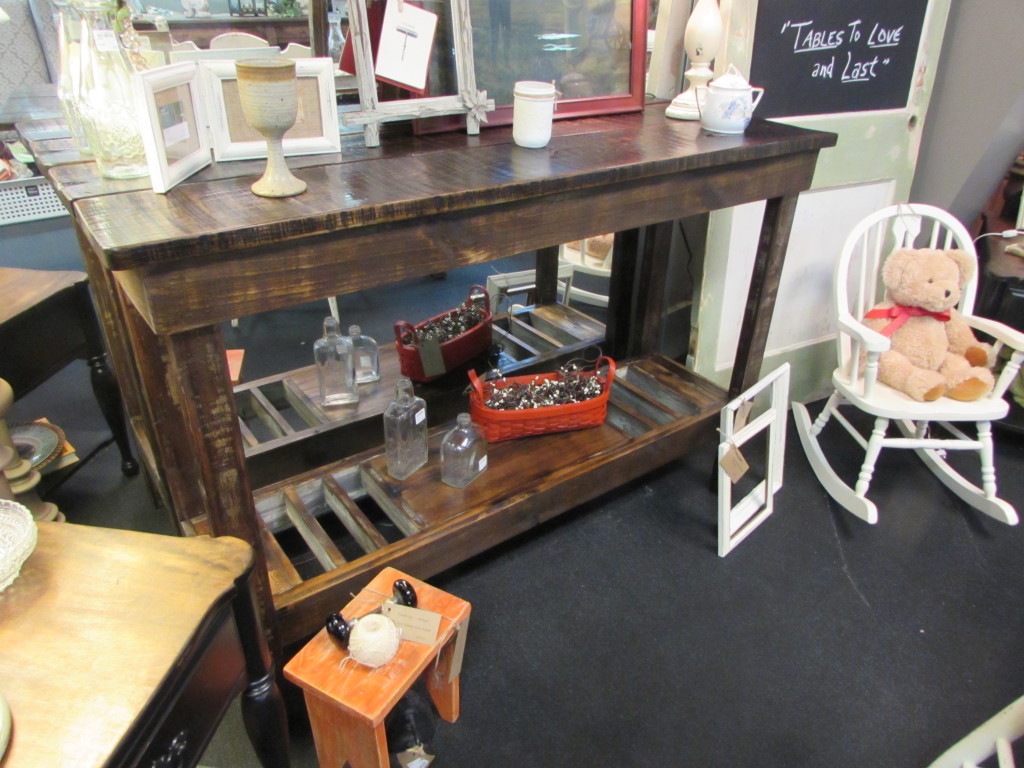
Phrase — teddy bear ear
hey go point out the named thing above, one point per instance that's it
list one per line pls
(965, 262)
(892, 270)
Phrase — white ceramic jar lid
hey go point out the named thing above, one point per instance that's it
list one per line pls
(534, 89)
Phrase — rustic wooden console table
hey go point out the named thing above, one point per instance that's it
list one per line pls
(167, 269)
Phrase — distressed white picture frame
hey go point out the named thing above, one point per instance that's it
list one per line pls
(468, 101)
(174, 132)
(232, 139)
(737, 522)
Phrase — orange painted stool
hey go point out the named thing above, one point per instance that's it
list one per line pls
(348, 702)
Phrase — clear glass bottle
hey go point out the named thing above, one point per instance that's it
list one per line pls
(463, 453)
(405, 431)
(367, 356)
(69, 75)
(106, 102)
(335, 366)
(335, 37)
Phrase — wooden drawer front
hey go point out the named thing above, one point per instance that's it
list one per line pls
(216, 678)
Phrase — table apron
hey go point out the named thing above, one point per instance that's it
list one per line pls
(191, 293)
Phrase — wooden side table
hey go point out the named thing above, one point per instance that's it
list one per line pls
(348, 702)
(47, 320)
(126, 649)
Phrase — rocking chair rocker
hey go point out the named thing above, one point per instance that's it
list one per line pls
(857, 289)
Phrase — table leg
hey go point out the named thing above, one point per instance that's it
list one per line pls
(339, 737)
(547, 275)
(764, 286)
(104, 385)
(263, 710)
(444, 692)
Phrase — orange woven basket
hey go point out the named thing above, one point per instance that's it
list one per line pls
(500, 425)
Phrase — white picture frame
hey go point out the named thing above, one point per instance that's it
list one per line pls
(469, 101)
(174, 130)
(315, 130)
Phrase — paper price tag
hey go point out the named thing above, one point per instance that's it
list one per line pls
(430, 356)
(417, 625)
(459, 651)
(415, 757)
(105, 39)
(733, 463)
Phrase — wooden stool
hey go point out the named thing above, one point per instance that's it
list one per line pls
(348, 702)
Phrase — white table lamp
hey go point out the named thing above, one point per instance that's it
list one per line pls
(701, 41)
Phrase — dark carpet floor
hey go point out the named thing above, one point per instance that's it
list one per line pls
(614, 635)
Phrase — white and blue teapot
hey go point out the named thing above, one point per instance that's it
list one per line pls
(728, 103)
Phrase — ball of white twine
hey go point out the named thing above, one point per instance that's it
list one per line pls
(374, 640)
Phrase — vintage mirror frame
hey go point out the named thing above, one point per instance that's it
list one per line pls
(469, 101)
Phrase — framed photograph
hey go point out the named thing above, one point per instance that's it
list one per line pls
(173, 123)
(467, 99)
(316, 126)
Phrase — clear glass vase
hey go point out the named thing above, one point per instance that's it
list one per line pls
(463, 453)
(367, 355)
(335, 366)
(106, 103)
(69, 75)
(405, 431)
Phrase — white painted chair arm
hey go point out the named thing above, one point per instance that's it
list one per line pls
(872, 341)
(999, 331)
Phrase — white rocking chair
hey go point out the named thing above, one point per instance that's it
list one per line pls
(857, 290)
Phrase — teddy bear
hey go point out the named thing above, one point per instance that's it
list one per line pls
(933, 351)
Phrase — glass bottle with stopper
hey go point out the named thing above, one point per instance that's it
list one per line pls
(335, 366)
(463, 453)
(405, 431)
(367, 356)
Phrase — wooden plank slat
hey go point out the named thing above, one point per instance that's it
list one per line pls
(319, 543)
(269, 415)
(380, 486)
(566, 324)
(304, 405)
(283, 575)
(352, 517)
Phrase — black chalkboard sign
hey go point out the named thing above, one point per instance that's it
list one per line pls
(813, 57)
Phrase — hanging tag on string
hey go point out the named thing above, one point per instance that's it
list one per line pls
(739, 421)
(431, 358)
(459, 651)
(733, 463)
(417, 625)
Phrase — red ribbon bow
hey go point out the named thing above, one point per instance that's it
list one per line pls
(901, 314)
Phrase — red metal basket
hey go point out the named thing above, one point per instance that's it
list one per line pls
(454, 352)
(500, 425)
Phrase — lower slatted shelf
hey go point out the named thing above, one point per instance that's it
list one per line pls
(330, 530)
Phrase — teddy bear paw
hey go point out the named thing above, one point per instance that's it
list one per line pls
(977, 356)
(969, 389)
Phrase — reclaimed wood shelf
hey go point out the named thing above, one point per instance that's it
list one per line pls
(327, 532)
(166, 270)
(285, 430)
